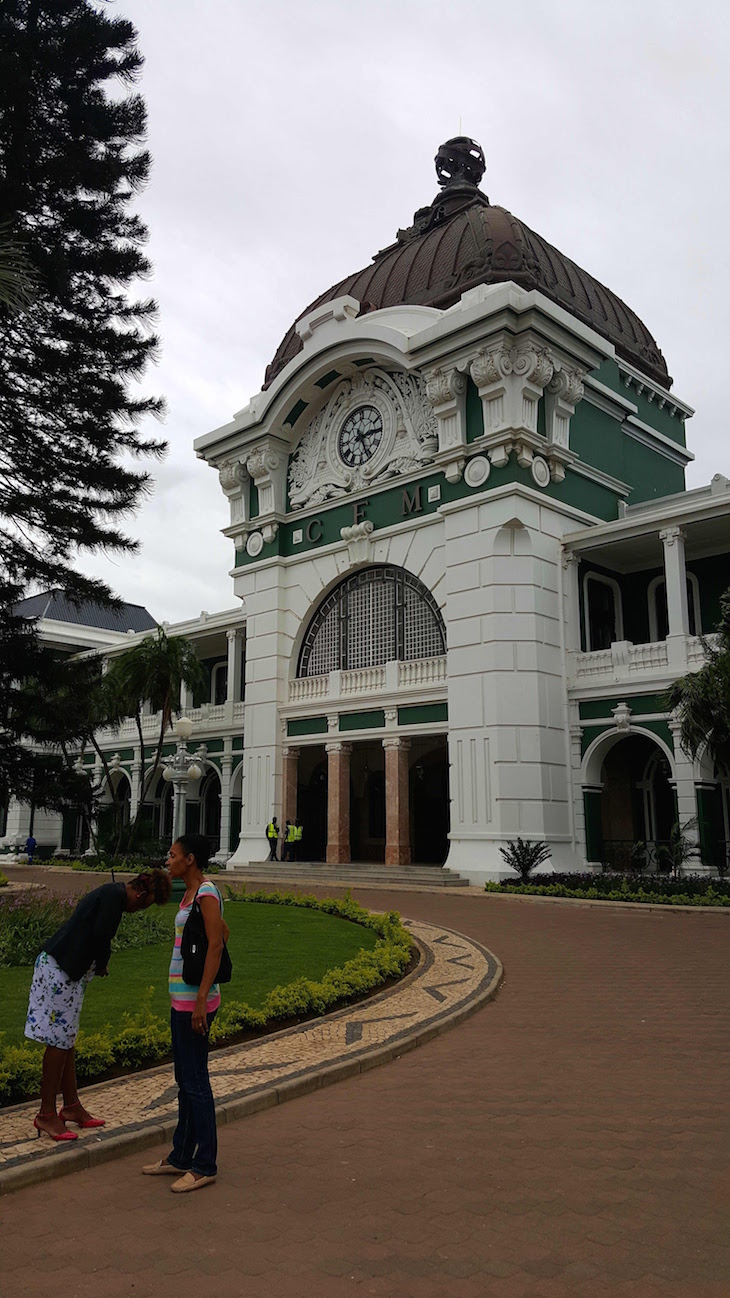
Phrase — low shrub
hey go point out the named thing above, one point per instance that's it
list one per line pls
(655, 890)
(524, 856)
(145, 1039)
(3, 880)
(27, 920)
(20, 1073)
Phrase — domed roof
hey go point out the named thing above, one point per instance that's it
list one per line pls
(462, 240)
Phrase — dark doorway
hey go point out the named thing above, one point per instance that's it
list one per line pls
(637, 802)
(429, 800)
(367, 802)
(312, 803)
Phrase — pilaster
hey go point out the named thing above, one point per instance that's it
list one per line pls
(446, 390)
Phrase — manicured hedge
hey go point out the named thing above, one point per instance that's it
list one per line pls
(694, 890)
(145, 1039)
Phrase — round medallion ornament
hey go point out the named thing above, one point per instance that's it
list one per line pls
(540, 470)
(477, 471)
(254, 545)
(360, 436)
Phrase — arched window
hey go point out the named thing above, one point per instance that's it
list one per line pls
(603, 612)
(373, 617)
(659, 614)
(219, 684)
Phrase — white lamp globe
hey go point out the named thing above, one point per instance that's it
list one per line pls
(194, 772)
(183, 728)
(166, 774)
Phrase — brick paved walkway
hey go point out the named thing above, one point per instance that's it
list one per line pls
(572, 1138)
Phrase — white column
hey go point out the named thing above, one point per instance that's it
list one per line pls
(684, 782)
(186, 699)
(136, 773)
(233, 687)
(224, 850)
(675, 576)
(571, 598)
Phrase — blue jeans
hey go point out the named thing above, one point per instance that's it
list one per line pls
(195, 1142)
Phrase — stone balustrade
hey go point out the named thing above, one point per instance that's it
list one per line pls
(416, 674)
(624, 660)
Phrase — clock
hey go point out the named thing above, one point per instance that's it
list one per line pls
(360, 436)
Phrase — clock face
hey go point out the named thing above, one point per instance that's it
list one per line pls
(360, 436)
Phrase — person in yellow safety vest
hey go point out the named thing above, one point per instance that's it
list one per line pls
(287, 848)
(272, 837)
(298, 840)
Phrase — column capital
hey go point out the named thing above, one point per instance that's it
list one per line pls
(395, 741)
(669, 535)
(233, 633)
(444, 386)
(336, 746)
(570, 559)
(292, 752)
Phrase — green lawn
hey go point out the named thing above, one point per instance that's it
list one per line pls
(269, 945)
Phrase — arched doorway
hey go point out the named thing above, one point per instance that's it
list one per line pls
(114, 810)
(637, 803)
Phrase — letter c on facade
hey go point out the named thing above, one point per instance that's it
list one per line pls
(311, 534)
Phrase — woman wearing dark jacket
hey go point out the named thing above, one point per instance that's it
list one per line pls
(78, 951)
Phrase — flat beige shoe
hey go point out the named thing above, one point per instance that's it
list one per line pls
(189, 1182)
(160, 1168)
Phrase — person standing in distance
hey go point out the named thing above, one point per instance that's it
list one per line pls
(272, 837)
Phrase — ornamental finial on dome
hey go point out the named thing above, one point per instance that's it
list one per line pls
(460, 161)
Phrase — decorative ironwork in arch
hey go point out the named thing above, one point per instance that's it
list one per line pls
(372, 617)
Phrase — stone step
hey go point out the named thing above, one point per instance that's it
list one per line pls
(432, 876)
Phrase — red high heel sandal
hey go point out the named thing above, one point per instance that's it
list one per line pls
(65, 1116)
(62, 1135)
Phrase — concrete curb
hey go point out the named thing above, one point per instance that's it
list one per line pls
(129, 1142)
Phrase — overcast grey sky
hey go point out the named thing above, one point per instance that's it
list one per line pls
(291, 140)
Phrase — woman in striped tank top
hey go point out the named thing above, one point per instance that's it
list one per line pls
(194, 1144)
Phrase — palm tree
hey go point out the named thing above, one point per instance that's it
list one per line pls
(701, 699)
(154, 671)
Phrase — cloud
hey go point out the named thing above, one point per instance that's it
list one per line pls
(290, 141)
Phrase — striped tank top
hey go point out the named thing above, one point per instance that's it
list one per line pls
(182, 995)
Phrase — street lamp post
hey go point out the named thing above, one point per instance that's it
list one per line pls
(177, 770)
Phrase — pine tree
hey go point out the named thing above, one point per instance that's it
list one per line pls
(71, 161)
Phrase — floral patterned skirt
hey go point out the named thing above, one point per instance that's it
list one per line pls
(54, 1004)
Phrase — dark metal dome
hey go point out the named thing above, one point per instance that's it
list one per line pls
(460, 241)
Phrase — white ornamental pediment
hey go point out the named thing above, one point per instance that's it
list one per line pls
(407, 437)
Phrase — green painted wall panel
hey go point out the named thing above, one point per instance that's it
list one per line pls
(307, 726)
(421, 714)
(594, 835)
(362, 720)
(641, 704)
(649, 474)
